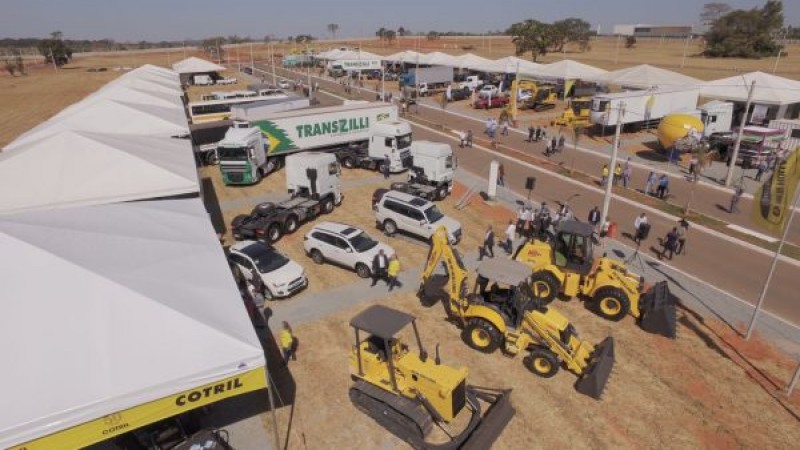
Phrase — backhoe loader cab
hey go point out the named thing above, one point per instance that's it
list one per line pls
(409, 393)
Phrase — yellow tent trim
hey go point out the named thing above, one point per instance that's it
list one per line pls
(122, 422)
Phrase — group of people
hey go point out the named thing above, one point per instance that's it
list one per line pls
(554, 145)
(385, 268)
(674, 243)
(659, 182)
(492, 125)
(536, 134)
(622, 173)
(465, 138)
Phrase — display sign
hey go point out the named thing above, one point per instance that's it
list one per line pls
(359, 64)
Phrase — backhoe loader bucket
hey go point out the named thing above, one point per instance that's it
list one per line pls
(596, 374)
(658, 309)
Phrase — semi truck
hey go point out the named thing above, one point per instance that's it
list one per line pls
(429, 79)
(642, 108)
(432, 171)
(313, 182)
(261, 109)
(360, 135)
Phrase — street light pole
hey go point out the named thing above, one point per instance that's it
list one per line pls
(732, 165)
(685, 47)
(616, 51)
(612, 164)
(272, 63)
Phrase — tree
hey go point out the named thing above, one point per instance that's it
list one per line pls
(746, 34)
(390, 35)
(54, 50)
(332, 29)
(213, 46)
(402, 31)
(570, 30)
(630, 42)
(531, 36)
(713, 11)
(381, 33)
(433, 35)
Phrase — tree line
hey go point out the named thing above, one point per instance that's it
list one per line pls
(752, 33)
(539, 38)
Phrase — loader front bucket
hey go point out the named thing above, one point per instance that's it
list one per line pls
(492, 423)
(658, 308)
(595, 376)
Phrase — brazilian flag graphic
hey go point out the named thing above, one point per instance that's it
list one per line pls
(277, 139)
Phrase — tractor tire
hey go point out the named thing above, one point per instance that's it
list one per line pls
(545, 286)
(542, 362)
(389, 227)
(290, 226)
(316, 256)
(611, 303)
(274, 232)
(363, 271)
(482, 335)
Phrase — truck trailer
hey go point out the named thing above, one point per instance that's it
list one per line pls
(360, 135)
(429, 79)
(642, 108)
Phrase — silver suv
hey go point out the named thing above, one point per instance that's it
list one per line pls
(396, 210)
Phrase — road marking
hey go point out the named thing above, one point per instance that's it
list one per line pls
(744, 230)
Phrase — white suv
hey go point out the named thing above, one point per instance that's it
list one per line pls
(400, 211)
(345, 245)
(282, 277)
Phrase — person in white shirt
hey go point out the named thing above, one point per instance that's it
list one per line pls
(511, 230)
(639, 224)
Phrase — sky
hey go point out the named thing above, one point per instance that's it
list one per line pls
(152, 20)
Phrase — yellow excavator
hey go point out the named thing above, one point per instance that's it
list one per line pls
(408, 392)
(576, 113)
(565, 265)
(506, 315)
(542, 97)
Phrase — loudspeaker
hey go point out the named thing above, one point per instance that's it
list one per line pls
(530, 183)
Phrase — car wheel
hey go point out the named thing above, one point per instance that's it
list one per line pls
(389, 227)
(290, 226)
(362, 270)
(274, 232)
(317, 257)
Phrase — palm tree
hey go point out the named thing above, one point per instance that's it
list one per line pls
(332, 29)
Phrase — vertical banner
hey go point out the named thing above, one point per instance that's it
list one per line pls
(772, 206)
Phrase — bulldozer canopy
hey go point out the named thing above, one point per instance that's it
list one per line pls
(381, 321)
(505, 271)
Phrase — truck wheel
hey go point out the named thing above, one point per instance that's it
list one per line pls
(389, 227)
(542, 362)
(545, 286)
(381, 167)
(442, 192)
(317, 257)
(362, 270)
(290, 226)
(259, 175)
(611, 303)
(481, 335)
(327, 205)
(274, 232)
(349, 162)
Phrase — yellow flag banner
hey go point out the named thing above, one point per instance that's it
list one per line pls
(130, 419)
(568, 84)
(773, 200)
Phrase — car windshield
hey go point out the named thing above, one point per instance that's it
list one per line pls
(362, 242)
(232, 153)
(268, 260)
(404, 141)
(433, 215)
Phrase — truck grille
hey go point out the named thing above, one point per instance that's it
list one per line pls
(236, 176)
(406, 159)
(459, 397)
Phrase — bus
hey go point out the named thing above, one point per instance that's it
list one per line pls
(215, 110)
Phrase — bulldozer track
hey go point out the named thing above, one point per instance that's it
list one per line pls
(401, 416)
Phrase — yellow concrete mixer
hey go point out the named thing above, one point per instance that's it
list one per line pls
(674, 127)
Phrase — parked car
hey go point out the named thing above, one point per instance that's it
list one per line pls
(281, 276)
(488, 90)
(495, 102)
(397, 211)
(284, 84)
(458, 94)
(345, 245)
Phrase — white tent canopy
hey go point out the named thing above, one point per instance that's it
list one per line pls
(439, 59)
(348, 54)
(406, 56)
(142, 96)
(150, 311)
(509, 65)
(568, 69)
(193, 64)
(71, 168)
(769, 89)
(470, 61)
(646, 76)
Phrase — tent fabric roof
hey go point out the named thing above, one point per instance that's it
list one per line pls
(73, 168)
(407, 56)
(193, 64)
(769, 89)
(154, 287)
(568, 69)
(647, 76)
(439, 59)
(469, 61)
(509, 65)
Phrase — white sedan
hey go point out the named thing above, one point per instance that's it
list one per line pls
(281, 276)
(345, 245)
(283, 84)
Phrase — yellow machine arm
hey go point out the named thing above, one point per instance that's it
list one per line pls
(456, 289)
(516, 85)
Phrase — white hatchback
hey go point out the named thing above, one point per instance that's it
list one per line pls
(281, 276)
(345, 245)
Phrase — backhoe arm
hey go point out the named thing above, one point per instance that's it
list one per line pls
(455, 279)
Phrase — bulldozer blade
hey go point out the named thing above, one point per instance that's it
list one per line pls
(658, 308)
(595, 376)
(493, 422)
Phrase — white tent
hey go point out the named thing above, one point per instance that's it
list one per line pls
(509, 65)
(153, 78)
(141, 96)
(769, 90)
(105, 115)
(470, 61)
(113, 307)
(439, 59)
(646, 76)
(71, 168)
(193, 64)
(568, 69)
(406, 56)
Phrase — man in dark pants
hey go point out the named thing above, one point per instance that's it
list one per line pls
(594, 217)
(488, 244)
(386, 164)
(380, 264)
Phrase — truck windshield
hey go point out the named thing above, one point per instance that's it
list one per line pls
(448, 162)
(232, 153)
(362, 242)
(433, 215)
(404, 141)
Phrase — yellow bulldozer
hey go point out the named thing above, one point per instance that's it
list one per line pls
(506, 315)
(576, 113)
(408, 392)
(565, 265)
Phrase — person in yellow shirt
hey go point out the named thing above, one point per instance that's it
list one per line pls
(617, 174)
(393, 271)
(605, 175)
(287, 343)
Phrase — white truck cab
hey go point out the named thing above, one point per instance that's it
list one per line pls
(314, 175)
(472, 82)
(243, 152)
(393, 139)
(435, 161)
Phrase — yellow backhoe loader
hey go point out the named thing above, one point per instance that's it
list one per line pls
(567, 266)
(576, 113)
(541, 97)
(507, 316)
(408, 393)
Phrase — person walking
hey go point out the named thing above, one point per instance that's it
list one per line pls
(548, 149)
(594, 217)
(538, 133)
(504, 127)
(554, 144)
(641, 228)
(617, 174)
(561, 141)
(393, 270)
(683, 229)
(604, 174)
(386, 163)
(501, 175)
(663, 186)
(380, 264)
(527, 225)
(286, 339)
(469, 139)
(737, 194)
(511, 230)
(462, 138)
(651, 182)
(670, 243)
(531, 133)
(693, 168)
(627, 171)
(488, 126)
(762, 167)
(488, 244)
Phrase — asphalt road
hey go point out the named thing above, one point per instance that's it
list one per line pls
(716, 259)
